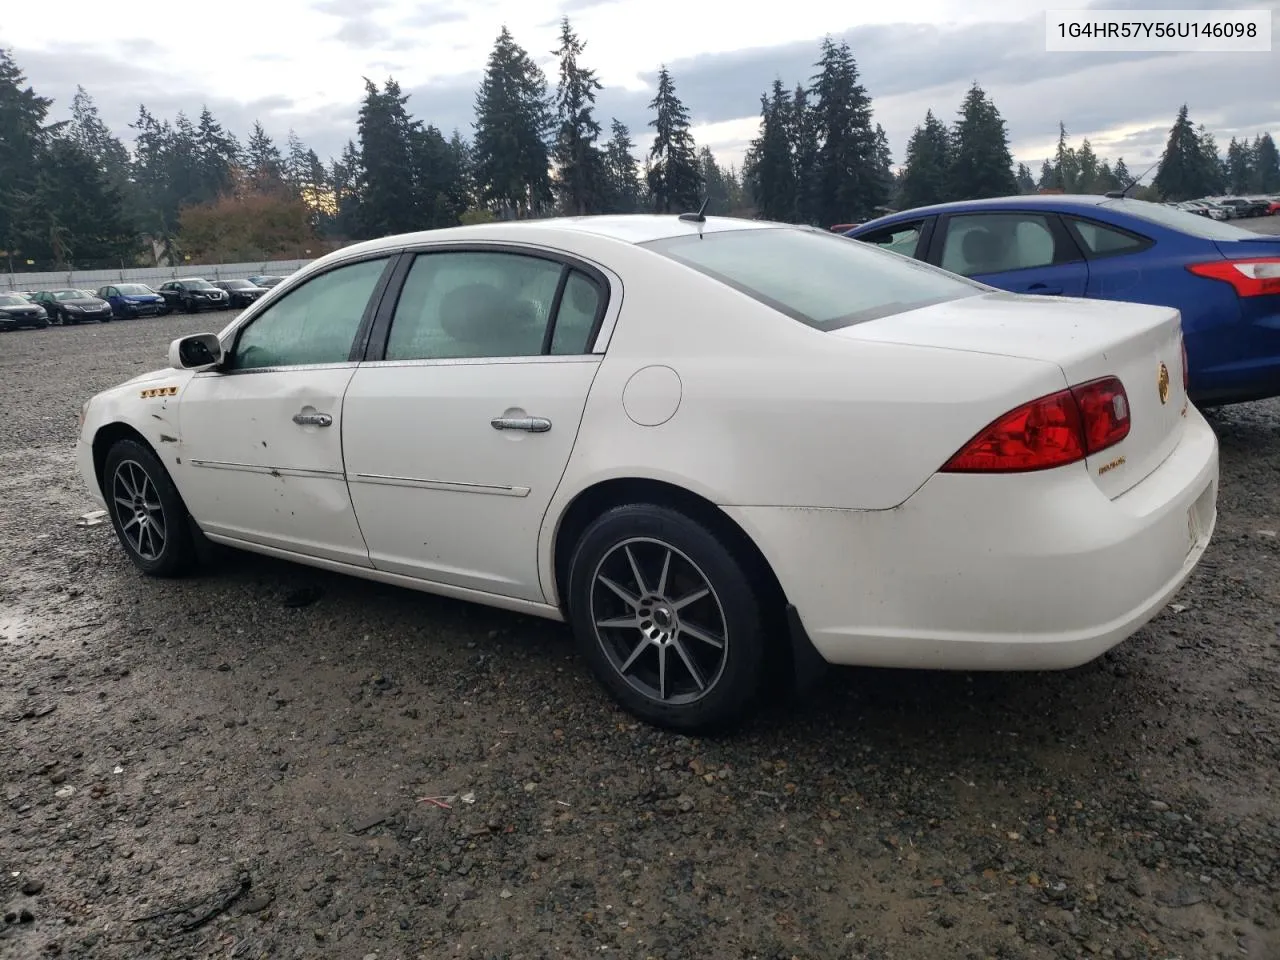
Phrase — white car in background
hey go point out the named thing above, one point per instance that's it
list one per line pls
(715, 447)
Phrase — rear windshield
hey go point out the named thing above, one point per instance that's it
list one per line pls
(236, 285)
(1179, 220)
(819, 278)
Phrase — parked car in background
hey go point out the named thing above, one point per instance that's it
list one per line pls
(240, 293)
(193, 294)
(1224, 279)
(73, 306)
(266, 281)
(1273, 205)
(1243, 206)
(892, 466)
(17, 312)
(1204, 208)
(130, 300)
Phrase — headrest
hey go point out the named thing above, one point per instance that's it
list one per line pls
(981, 247)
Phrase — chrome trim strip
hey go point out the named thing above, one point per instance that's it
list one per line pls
(272, 471)
(475, 361)
(457, 486)
(303, 367)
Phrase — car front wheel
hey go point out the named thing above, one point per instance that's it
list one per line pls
(668, 617)
(147, 511)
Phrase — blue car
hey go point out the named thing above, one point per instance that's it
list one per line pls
(130, 300)
(1225, 280)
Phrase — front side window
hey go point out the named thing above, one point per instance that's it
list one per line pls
(996, 242)
(821, 279)
(314, 323)
(467, 304)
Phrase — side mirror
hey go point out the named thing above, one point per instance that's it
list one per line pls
(199, 352)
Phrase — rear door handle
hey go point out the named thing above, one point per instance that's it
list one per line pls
(530, 424)
(313, 419)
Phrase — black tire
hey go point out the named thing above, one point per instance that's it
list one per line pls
(731, 676)
(128, 461)
(189, 306)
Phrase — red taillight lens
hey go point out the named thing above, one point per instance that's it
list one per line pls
(1186, 368)
(1104, 413)
(1049, 432)
(1254, 277)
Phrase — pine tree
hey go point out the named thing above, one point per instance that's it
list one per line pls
(1123, 176)
(263, 162)
(774, 185)
(218, 156)
(347, 174)
(1026, 183)
(75, 216)
(1065, 168)
(512, 122)
(717, 189)
(882, 171)
(926, 177)
(1047, 177)
(981, 164)
(1087, 168)
(461, 151)
(675, 181)
(23, 138)
(1215, 169)
(580, 165)
(1265, 176)
(152, 169)
(441, 197)
(1182, 173)
(624, 192)
(389, 200)
(803, 131)
(847, 184)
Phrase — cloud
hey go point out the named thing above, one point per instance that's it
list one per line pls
(1124, 101)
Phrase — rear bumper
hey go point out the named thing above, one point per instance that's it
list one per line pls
(1021, 572)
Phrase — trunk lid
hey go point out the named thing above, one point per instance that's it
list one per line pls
(1086, 339)
(1260, 246)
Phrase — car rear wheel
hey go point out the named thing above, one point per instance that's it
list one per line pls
(147, 511)
(668, 618)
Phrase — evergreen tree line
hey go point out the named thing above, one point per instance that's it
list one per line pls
(72, 192)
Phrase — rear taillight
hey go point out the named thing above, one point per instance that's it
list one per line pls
(1049, 432)
(1186, 368)
(1253, 277)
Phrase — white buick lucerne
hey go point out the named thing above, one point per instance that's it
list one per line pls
(712, 446)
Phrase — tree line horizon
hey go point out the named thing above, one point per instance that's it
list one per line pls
(72, 194)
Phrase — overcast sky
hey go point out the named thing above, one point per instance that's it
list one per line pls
(299, 64)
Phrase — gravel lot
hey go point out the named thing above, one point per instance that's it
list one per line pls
(233, 765)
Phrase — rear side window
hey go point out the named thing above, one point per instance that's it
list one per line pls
(821, 279)
(1102, 241)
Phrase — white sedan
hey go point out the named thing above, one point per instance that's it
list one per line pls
(722, 450)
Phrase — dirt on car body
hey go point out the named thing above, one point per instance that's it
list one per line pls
(267, 760)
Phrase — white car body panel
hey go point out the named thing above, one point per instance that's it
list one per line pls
(824, 447)
(249, 472)
(441, 494)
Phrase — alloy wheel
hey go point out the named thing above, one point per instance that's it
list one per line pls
(658, 621)
(139, 510)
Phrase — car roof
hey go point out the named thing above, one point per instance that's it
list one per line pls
(1048, 201)
(627, 228)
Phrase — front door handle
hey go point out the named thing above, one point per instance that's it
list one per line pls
(530, 424)
(1044, 290)
(313, 419)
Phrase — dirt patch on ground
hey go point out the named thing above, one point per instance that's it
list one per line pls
(235, 765)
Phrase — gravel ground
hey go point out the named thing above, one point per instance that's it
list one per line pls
(234, 765)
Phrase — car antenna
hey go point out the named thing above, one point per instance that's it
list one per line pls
(1120, 194)
(700, 216)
